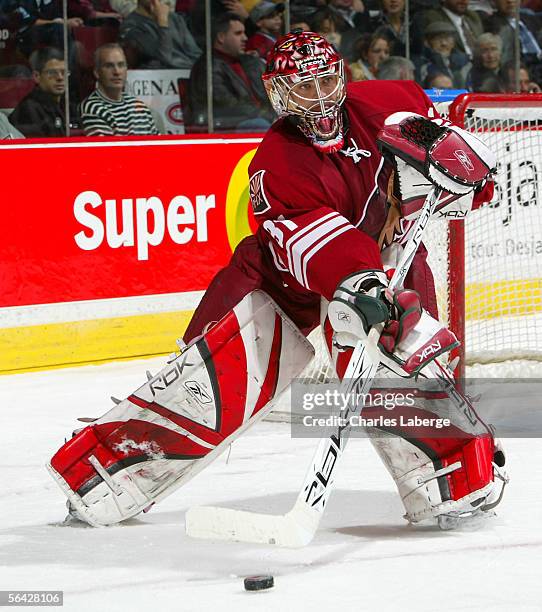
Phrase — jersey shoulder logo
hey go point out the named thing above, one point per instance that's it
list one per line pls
(257, 193)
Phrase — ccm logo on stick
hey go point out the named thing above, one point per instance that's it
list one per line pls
(138, 216)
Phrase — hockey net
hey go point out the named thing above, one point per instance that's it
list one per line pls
(490, 281)
(488, 268)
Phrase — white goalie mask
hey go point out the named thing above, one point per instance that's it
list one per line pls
(305, 78)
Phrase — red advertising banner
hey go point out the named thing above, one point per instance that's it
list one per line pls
(104, 218)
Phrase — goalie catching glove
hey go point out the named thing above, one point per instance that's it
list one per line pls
(448, 156)
(429, 152)
(411, 337)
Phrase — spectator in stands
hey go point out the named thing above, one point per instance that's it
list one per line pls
(156, 37)
(267, 18)
(12, 61)
(109, 111)
(239, 98)
(396, 68)
(42, 113)
(7, 131)
(371, 50)
(526, 84)
(42, 24)
(218, 8)
(351, 20)
(440, 57)
(241, 8)
(94, 12)
(123, 7)
(503, 23)
(326, 23)
(297, 22)
(438, 80)
(486, 75)
(390, 23)
(352, 14)
(466, 23)
(482, 7)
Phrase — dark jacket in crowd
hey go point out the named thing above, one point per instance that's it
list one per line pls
(421, 20)
(499, 24)
(38, 115)
(457, 66)
(150, 46)
(234, 101)
(484, 80)
(382, 27)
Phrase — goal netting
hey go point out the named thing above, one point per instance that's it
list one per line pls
(490, 280)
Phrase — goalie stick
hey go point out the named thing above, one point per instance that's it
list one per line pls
(297, 527)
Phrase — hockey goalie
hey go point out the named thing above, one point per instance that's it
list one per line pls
(336, 186)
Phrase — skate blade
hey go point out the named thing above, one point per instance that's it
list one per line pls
(464, 522)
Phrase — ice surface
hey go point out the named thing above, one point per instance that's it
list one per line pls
(365, 557)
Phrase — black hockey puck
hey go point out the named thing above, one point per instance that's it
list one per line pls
(258, 583)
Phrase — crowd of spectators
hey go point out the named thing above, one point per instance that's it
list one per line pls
(445, 44)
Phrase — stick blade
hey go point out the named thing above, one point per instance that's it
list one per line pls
(213, 523)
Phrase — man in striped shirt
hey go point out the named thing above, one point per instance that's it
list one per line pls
(109, 111)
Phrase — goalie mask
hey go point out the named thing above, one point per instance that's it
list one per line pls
(305, 78)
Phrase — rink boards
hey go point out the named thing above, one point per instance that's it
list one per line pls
(109, 244)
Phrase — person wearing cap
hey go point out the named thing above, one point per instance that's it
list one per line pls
(439, 55)
(466, 23)
(267, 17)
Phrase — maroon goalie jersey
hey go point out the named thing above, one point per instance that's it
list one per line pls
(321, 216)
(311, 206)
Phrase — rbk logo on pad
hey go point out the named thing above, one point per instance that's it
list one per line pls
(430, 349)
(464, 160)
(197, 392)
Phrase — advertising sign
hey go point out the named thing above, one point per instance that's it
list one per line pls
(159, 90)
(109, 244)
(105, 219)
